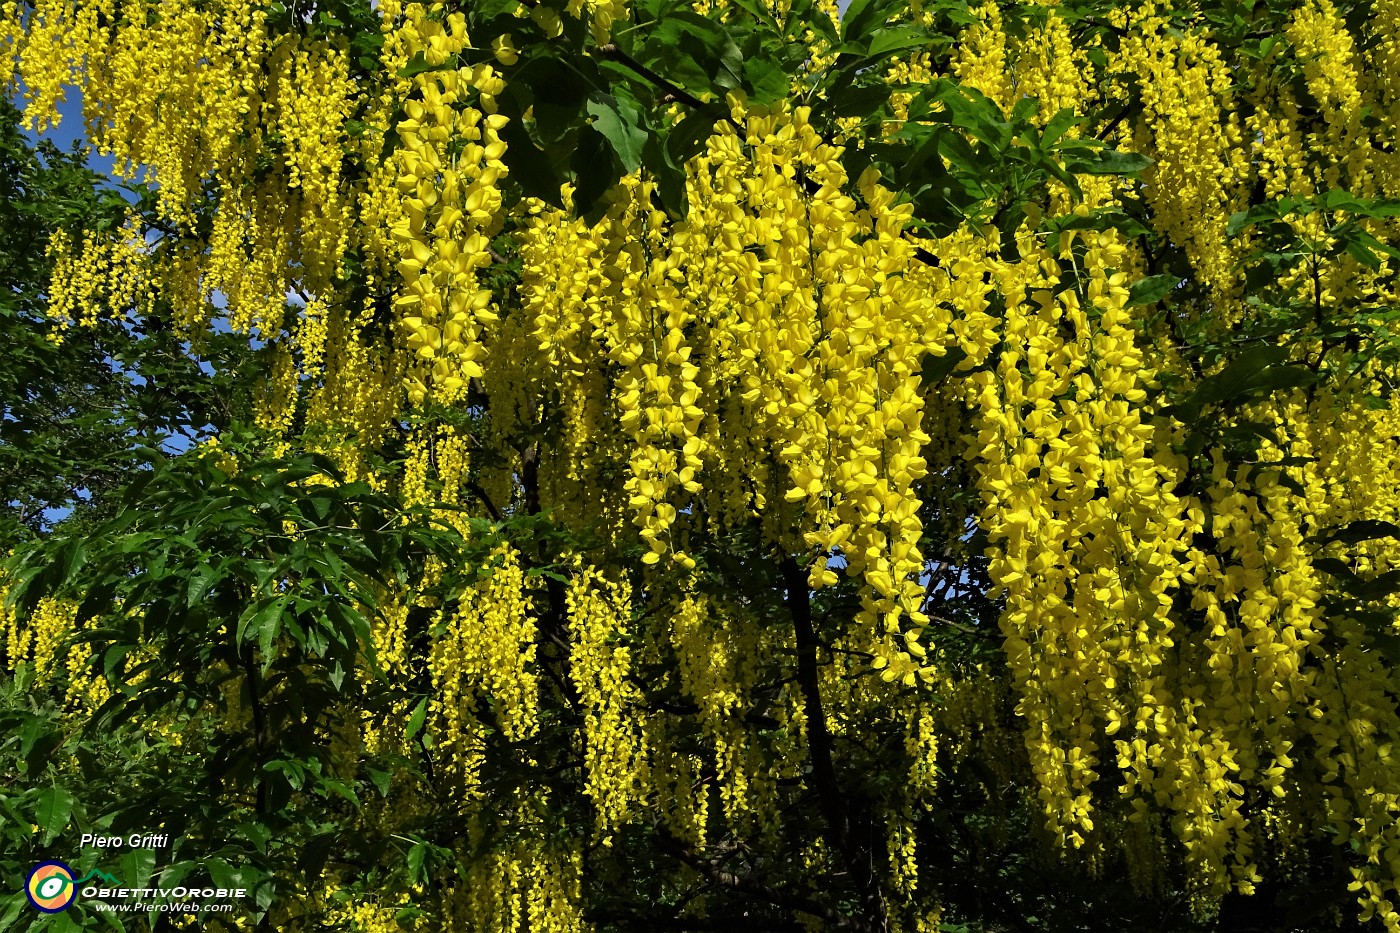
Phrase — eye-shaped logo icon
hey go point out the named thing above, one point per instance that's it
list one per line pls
(50, 887)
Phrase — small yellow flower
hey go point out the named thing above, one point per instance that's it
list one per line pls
(505, 51)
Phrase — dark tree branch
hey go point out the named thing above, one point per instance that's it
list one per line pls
(475, 489)
(851, 838)
(609, 50)
(668, 88)
(718, 876)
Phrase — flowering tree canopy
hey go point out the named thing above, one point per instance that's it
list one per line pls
(738, 465)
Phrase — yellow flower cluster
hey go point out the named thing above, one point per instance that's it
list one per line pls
(982, 57)
(1052, 69)
(798, 346)
(1175, 631)
(483, 671)
(717, 652)
(358, 916)
(449, 165)
(1082, 529)
(198, 99)
(11, 28)
(1327, 53)
(601, 670)
(564, 289)
(657, 399)
(102, 276)
(38, 641)
(524, 882)
(1196, 138)
(601, 14)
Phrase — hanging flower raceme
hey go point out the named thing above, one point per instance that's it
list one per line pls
(449, 167)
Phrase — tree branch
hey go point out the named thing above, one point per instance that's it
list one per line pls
(475, 489)
(609, 50)
(853, 847)
(744, 885)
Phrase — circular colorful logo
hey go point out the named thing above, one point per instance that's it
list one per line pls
(50, 887)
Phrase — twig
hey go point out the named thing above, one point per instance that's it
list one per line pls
(716, 875)
(674, 91)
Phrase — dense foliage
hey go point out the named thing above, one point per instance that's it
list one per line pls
(75, 403)
(731, 465)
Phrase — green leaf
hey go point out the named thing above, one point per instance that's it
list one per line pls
(1152, 289)
(259, 834)
(862, 15)
(327, 787)
(859, 100)
(670, 177)
(768, 81)
(34, 728)
(886, 42)
(249, 622)
(758, 11)
(1100, 219)
(17, 822)
(17, 903)
(1110, 162)
(1248, 218)
(1364, 530)
(621, 125)
(1379, 587)
(109, 919)
(1357, 586)
(72, 555)
(1338, 200)
(594, 173)
(419, 64)
(1341, 200)
(263, 624)
(529, 166)
(688, 137)
(1024, 109)
(554, 93)
(136, 867)
(694, 52)
(935, 369)
(224, 875)
(1388, 644)
(40, 755)
(1057, 126)
(292, 770)
(416, 719)
(198, 584)
(317, 851)
(62, 923)
(1259, 368)
(416, 855)
(1378, 207)
(1363, 254)
(112, 658)
(1375, 245)
(55, 805)
(380, 779)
